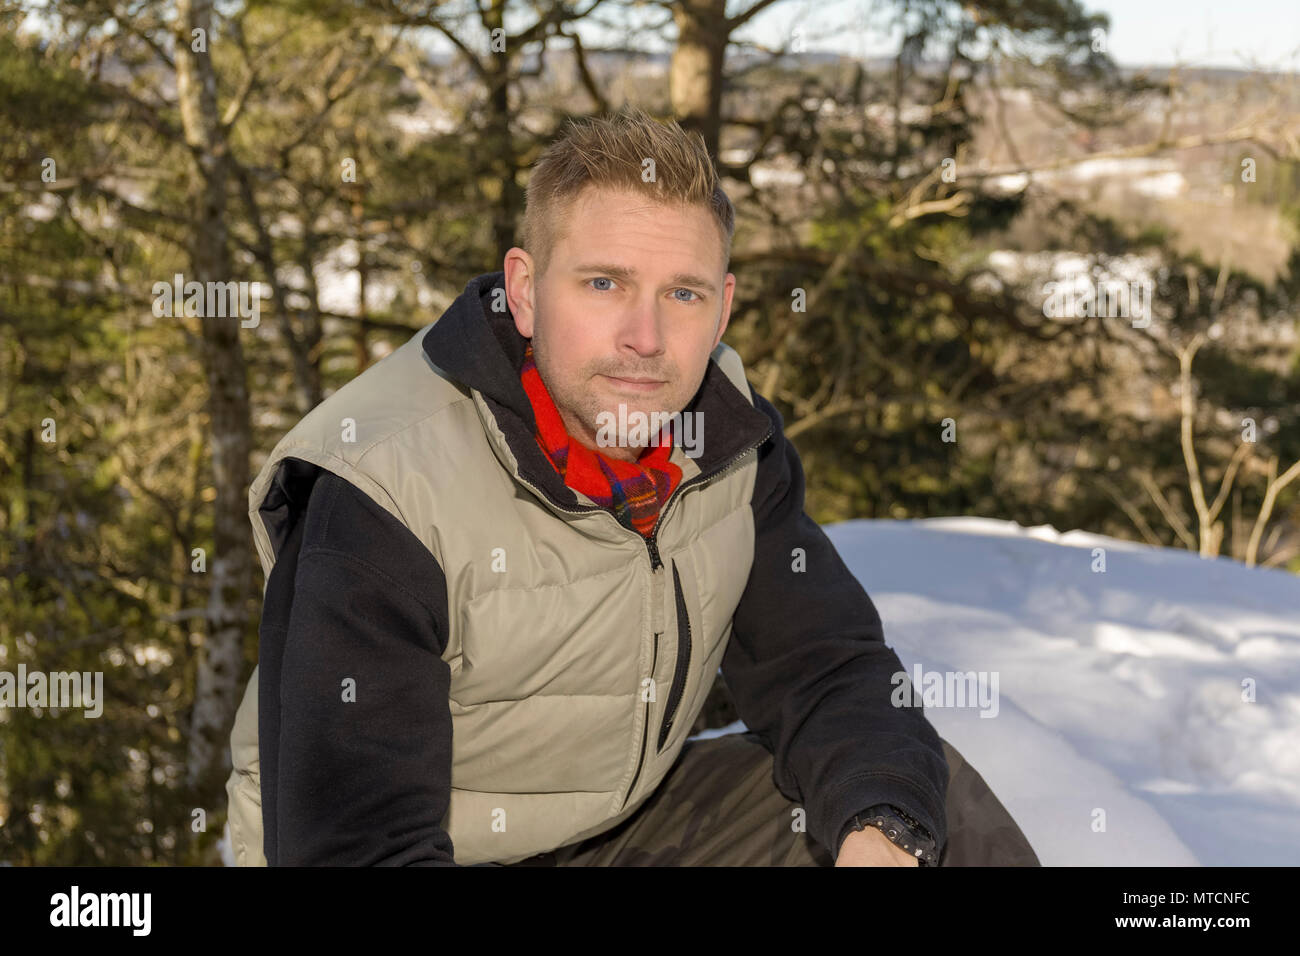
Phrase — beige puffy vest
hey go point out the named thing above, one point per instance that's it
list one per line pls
(563, 643)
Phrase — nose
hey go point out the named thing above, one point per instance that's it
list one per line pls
(641, 328)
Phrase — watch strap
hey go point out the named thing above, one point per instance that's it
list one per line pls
(901, 830)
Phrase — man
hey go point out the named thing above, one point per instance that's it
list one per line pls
(505, 564)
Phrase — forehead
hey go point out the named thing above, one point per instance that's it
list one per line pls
(606, 220)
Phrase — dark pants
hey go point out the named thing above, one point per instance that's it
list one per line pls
(718, 806)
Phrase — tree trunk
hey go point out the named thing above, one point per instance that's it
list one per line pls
(695, 74)
(230, 563)
(500, 141)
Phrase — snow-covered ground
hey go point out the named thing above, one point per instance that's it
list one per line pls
(1121, 691)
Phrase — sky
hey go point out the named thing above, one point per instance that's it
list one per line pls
(1143, 32)
(1209, 34)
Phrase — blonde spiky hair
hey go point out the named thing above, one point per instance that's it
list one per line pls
(610, 152)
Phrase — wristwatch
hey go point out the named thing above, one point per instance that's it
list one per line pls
(900, 829)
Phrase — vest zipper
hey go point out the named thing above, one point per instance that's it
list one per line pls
(652, 548)
(683, 660)
(652, 544)
(654, 659)
(683, 645)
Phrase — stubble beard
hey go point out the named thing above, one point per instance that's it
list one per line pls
(581, 410)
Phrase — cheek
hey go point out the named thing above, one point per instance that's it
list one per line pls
(692, 362)
(571, 338)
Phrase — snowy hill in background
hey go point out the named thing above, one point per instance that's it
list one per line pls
(1120, 690)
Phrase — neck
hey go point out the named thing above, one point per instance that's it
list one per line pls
(619, 452)
(581, 434)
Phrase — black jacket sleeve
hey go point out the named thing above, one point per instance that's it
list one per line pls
(811, 674)
(354, 721)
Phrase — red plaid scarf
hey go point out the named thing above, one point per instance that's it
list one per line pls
(633, 491)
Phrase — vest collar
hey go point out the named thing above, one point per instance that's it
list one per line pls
(480, 348)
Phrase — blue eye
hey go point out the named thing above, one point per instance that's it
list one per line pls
(686, 301)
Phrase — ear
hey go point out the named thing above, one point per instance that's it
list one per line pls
(520, 289)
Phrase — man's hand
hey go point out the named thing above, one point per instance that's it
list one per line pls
(870, 847)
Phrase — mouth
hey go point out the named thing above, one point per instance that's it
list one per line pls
(639, 384)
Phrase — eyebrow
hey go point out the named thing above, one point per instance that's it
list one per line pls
(623, 272)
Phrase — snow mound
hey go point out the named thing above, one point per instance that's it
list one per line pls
(1163, 690)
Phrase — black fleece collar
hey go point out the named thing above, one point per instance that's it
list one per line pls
(482, 349)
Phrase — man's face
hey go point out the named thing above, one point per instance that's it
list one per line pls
(634, 290)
